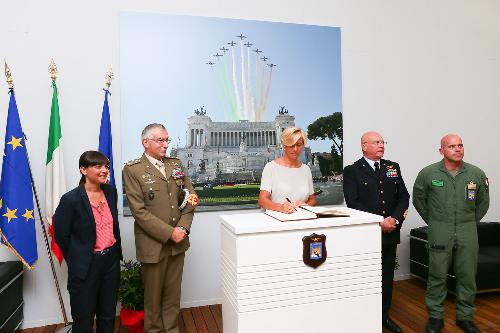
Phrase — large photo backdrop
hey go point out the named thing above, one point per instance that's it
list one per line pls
(225, 89)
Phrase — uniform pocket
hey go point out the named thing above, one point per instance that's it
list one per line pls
(150, 187)
(150, 193)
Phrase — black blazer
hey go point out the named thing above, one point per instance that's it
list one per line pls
(383, 194)
(74, 228)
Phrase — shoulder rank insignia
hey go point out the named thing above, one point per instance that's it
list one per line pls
(132, 162)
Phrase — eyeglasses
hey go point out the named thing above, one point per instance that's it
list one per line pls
(453, 147)
(377, 142)
(161, 141)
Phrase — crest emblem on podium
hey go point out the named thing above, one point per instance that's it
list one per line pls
(314, 250)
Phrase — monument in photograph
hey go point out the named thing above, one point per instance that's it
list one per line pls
(247, 75)
(234, 152)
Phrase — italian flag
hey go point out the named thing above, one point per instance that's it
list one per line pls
(55, 185)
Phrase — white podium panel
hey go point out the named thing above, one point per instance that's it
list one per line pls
(268, 288)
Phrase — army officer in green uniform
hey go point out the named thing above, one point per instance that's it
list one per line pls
(452, 197)
(162, 200)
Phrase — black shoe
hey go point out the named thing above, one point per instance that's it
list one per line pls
(468, 326)
(391, 326)
(434, 325)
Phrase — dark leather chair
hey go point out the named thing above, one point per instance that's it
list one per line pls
(488, 267)
(11, 296)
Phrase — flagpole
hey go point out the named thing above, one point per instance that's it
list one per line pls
(67, 326)
(8, 75)
(47, 246)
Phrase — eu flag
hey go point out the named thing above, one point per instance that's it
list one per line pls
(17, 222)
(105, 139)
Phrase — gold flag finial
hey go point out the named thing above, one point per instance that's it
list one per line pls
(109, 77)
(53, 69)
(8, 75)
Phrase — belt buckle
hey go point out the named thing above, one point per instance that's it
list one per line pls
(103, 252)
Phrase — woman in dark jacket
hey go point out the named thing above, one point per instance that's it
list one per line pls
(87, 232)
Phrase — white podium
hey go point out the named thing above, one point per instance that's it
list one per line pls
(267, 287)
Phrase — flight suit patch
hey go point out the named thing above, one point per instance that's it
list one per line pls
(471, 191)
(438, 183)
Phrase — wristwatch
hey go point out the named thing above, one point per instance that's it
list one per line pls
(185, 230)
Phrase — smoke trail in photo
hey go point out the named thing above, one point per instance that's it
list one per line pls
(252, 87)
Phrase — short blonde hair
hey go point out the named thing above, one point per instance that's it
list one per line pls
(291, 135)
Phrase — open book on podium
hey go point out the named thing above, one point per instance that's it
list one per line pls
(307, 213)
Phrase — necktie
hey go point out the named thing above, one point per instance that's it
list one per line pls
(161, 167)
(377, 168)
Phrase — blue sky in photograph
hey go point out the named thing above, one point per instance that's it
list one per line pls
(164, 75)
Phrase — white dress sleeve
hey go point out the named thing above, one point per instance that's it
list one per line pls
(267, 177)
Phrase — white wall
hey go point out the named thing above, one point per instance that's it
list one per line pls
(412, 70)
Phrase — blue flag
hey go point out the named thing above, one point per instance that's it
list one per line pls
(17, 222)
(105, 139)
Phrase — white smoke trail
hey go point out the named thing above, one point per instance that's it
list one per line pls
(262, 85)
(251, 110)
(235, 86)
(256, 80)
(268, 88)
(230, 92)
(243, 82)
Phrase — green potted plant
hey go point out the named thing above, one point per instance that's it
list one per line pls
(131, 296)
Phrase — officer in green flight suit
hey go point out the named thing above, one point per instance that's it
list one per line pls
(451, 196)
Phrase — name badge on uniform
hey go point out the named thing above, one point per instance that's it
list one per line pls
(391, 172)
(471, 191)
(438, 183)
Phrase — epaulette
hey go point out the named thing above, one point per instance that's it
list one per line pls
(171, 158)
(132, 162)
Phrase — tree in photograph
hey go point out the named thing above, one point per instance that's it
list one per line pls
(329, 127)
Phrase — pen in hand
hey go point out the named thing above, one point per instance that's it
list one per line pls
(295, 209)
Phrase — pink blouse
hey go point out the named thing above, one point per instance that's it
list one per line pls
(103, 226)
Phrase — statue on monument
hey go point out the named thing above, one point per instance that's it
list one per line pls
(201, 111)
(202, 166)
(282, 110)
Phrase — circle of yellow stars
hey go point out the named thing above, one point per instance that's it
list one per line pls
(11, 213)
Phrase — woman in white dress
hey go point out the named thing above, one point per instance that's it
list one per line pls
(287, 183)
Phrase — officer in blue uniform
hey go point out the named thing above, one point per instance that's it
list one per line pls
(375, 185)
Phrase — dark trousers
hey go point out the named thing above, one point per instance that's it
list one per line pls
(96, 295)
(388, 263)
